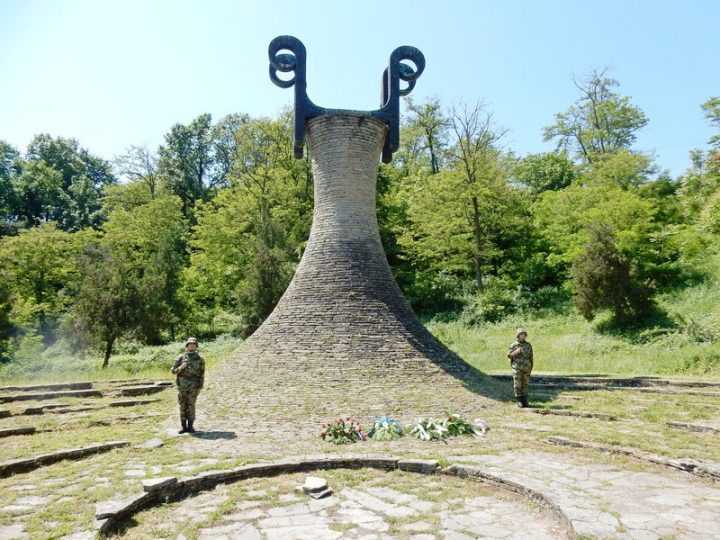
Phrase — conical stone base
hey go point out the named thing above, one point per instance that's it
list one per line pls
(343, 339)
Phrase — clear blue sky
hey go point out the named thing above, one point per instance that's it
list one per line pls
(114, 73)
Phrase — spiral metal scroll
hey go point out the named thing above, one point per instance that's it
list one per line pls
(389, 112)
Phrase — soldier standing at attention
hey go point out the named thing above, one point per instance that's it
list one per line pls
(521, 361)
(190, 370)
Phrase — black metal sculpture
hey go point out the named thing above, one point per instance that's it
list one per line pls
(305, 109)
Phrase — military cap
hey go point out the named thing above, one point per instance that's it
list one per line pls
(191, 340)
(521, 331)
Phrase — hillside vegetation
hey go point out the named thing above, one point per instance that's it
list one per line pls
(609, 261)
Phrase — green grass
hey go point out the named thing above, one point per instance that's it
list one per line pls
(131, 360)
(683, 343)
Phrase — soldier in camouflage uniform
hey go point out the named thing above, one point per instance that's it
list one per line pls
(190, 370)
(520, 354)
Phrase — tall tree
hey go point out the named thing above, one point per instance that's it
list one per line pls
(605, 279)
(108, 300)
(249, 238)
(711, 109)
(63, 183)
(429, 125)
(9, 169)
(196, 158)
(151, 238)
(475, 155)
(600, 122)
(139, 164)
(40, 264)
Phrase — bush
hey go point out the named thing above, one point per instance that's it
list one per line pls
(492, 304)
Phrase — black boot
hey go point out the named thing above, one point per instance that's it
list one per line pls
(190, 428)
(525, 401)
(184, 426)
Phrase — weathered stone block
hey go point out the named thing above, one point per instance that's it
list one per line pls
(16, 431)
(154, 484)
(425, 466)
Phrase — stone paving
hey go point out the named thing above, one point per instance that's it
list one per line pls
(420, 508)
(610, 500)
(603, 497)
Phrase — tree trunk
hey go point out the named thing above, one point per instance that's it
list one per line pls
(108, 352)
(478, 243)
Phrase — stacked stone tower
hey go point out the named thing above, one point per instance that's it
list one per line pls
(343, 335)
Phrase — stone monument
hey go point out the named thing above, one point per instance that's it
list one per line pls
(343, 321)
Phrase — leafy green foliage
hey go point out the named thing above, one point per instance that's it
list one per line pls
(62, 182)
(249, 238)
(544, 172)
(600, 122)
(41, 269)
(128, 283)
(711, 109)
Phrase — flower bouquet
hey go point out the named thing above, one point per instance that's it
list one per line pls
(456, 425)
(343, 432)
(427, 429)
(385, 429)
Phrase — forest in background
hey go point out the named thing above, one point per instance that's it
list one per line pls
(202, 235)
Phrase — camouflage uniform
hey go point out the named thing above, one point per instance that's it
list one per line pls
(521, 361)
(190, 380)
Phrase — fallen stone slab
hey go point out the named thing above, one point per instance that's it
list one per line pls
(4, 413)
(50, 395)
(14, 466)
(54, 386)
(568, 412)
(16, 431)
(117, 509)
(693, 427)
(698, 468)
(315, 487)
(141, 390)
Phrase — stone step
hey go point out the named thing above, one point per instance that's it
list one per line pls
(631, 382)
(693, 427)
(50, 395)
(51, 386)
(62, 408)
(16, 431)
(643, 389)
(142, 390)
(579, 414)
(131, 402)
(15, 466)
